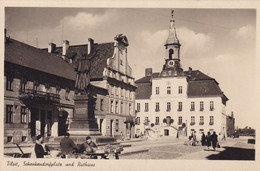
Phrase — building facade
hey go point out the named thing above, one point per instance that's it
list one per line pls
(39, 88)
(176, 102)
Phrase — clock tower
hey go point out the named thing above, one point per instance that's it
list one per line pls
(172, 65)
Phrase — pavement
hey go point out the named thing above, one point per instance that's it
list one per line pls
(171, 148)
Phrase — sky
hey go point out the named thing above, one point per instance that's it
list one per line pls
(219, 42)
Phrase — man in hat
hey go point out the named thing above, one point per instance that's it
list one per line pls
(89, 147)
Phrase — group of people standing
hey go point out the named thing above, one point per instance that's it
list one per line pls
(209, 140)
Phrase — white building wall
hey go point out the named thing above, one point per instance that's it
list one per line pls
(174, 82)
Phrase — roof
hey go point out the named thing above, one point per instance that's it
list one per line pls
(25, 55)
(203, 88)
(199, 85)
(143, 91)
(98, 63)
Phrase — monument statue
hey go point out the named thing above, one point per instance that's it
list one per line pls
(82, 67)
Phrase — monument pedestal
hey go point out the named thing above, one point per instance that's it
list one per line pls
(83, 122)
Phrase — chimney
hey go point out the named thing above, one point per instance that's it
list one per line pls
(65, 47)
(232, 114)
(148, 71)
(51, 47)
(190, 69)
(90, 45)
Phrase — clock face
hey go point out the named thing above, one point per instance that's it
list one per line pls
(170, 63)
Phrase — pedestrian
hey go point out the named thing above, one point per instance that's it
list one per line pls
(39, 150)
(89, 147)
(208, 140)
(203, 139)
(214, 140)
(122, 136)
(67, 145)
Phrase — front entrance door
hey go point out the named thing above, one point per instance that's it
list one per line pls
(111, 127)
(42, 121)
(34, 117)
(49, 122)
(166, 132)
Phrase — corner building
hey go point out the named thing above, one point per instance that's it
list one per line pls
(176, 102)
(39, 88)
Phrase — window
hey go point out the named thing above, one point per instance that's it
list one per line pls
(101, 104)
(122, 92)
(126, 93)
(157, 91)
(171, 52)
(137, 121)
(201, 120)
(9, 83)
(168, 106)
(180, 89)
(179, 120)
(9, 138)
(23, 85)
(211, 105)
(146, 121)
(9, 113)
(112, 90)
(157, 120)
(201, 106)
(157, 107)
(122, 107)
(67, 93)
(179, 106)
(130, 95)
(112, 106)
(117, 125)
(168, 90)
(201, 130)
(138, 107)
(116, 89)
(146, 107)
(35, 85)
(192, 106)
(211, 118)
(121, 62)
(23, 115)
(130, 109)
(116, 106)
(192, 121)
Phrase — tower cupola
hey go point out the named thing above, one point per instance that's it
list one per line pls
(172, 66)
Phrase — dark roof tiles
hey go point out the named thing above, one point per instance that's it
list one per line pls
(22, 54)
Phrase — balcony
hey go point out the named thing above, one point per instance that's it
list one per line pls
(201, 109)
(179, 123)
(39, 96)
(211, 109)
(192, 109)
(211, 123)
(192, 123)
(157, 110)
(201, 123)
(168, 110)
(179, 110)
(157, 123)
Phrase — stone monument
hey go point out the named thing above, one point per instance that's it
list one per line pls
(84, 122)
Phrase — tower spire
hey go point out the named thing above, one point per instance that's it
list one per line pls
(172, 66)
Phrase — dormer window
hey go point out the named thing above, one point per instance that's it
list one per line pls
(171, 52)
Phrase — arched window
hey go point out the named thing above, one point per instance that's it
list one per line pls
(170, 53)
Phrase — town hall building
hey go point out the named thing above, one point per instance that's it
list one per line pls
(177, 103)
